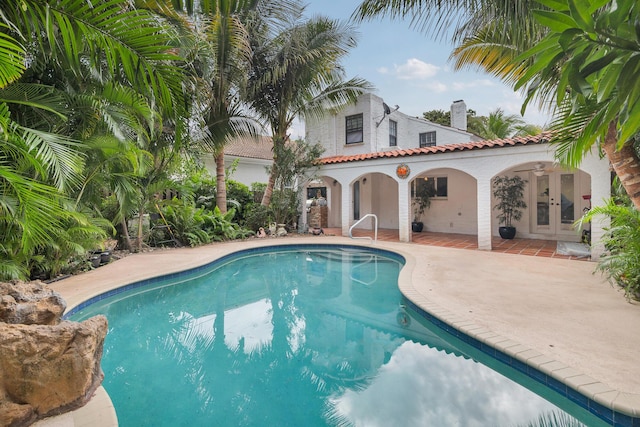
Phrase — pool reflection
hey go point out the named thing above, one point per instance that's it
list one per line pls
(295, 338)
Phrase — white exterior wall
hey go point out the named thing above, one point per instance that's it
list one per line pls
(330, 131)
(457, 213)
(248, 171)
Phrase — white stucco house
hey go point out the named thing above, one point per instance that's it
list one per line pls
(375, 155)
(253, 156)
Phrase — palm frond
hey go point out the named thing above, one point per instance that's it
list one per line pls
(111, 35)
(12, 58)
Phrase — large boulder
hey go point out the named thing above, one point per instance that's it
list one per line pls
(45, 369)
(30, 303)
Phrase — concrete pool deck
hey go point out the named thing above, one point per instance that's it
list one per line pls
(554, 314)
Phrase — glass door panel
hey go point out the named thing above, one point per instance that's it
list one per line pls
(555, 203)
(567, 201)
(542, 199)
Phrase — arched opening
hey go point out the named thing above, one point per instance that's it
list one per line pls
(555, 197)
(451, 205)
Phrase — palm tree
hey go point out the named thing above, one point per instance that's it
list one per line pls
(219, 59)
(297, 73)
(500, 125)
(74, 75)
(590, 63)
(581, 62)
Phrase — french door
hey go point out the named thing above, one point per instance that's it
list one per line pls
(556, 207)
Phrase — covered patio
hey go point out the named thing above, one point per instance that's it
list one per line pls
(518, 246)
(384, 183)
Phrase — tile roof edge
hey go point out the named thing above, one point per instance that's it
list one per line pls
(541, 138)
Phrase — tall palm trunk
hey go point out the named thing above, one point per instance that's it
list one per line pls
(273, 175)
(221, 185)
(625, 163)
(140, 232)
(268, 192)
(125, 234)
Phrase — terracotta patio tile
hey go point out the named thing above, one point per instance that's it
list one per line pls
(524, 247)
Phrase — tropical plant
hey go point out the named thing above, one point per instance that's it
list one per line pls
(219, 62)
(554, 419)
(195, 226)
(500, 125)
(589, 63)
(621, 260)
(257, 216)
(296, 74)
(77, 74)
(241, 197)
(187, 223)
(509, 194)
(581, 57)
(297, 165)
(421, 198)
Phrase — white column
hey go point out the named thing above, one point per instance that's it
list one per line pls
(484, 213)
(404, 210)
(600, 193)
(347, 208)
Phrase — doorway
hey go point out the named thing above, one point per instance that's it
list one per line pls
(555, 201)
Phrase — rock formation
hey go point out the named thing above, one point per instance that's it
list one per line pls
(47, 366)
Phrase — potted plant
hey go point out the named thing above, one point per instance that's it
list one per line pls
(509, 194)
(421, 201)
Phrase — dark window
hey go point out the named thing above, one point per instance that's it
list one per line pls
(435, 186)
(313, 192)
(354, 129)
(393, 133)
(428, 139)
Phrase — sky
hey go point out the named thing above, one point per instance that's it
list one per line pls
(409, 69)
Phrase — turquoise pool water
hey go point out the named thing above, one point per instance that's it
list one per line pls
(303, 337)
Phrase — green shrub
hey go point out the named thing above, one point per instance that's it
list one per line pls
(621, 261)
(257, 216)
(240, 197)
(258, 189)
(285, 207)
(193, 226)
(68, 248)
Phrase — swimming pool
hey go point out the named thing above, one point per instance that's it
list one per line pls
(300, 336)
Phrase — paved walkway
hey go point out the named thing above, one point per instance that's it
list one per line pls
(551, 313)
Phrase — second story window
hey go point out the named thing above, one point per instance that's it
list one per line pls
(354, 129)
(393, 133)
(428, 139)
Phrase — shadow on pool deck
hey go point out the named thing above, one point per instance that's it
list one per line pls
(555, 310)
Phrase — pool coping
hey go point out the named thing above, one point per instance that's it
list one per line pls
(593, 395)
(608, 404)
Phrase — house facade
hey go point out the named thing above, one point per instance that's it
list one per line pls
(376, 157)
(247, 157)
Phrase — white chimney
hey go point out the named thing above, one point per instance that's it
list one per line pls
(459, 115)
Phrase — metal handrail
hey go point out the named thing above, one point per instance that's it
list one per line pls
(375, 218)
(364, 264)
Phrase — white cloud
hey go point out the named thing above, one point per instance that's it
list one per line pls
(415, 388)
(414, 69)
(436, 86)
(383, 70)
(473, 84)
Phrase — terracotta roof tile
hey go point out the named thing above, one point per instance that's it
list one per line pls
(542, 138)
(255, 148)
